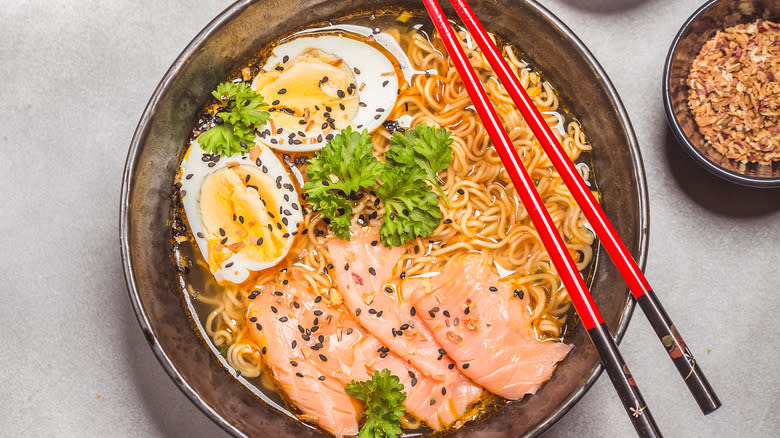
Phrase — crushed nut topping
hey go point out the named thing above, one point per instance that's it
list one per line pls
(734, 93)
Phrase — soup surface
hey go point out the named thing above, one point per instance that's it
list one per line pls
(310, 267)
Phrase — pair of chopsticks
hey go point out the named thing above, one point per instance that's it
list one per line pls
(583, 302)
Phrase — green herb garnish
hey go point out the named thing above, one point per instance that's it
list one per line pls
(340, 169)
(406, 181)
(235, 122)
(411, 207)
(384, 398)
(425, 147)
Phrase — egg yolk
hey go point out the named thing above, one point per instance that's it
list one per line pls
(314, 93)
(238, 205)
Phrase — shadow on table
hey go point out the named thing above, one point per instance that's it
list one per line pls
(713, 193)
(606, 6)
(166, 406)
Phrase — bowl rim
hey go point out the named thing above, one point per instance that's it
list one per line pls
(674, 123)
(141, 132)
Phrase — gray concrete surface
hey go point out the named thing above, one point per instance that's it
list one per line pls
(74, 78)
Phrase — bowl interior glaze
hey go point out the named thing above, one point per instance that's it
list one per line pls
(701, 26)
(223, 45)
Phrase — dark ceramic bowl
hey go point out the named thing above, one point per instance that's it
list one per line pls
(701, 26)
(222, 46)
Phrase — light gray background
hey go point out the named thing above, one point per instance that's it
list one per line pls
(74, 79)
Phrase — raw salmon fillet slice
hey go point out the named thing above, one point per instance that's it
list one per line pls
(484, 328)
(329, 348)
(362, 270)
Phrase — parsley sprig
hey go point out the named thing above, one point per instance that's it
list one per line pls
(424, 146)
(384, 398)
(235, 122)
(406, 180)
(411, 207)
(340, 169)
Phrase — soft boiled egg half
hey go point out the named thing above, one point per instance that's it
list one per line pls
(243, 210)
(318, 85)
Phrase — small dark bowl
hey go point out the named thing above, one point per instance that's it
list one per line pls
(701, 26)
(222, 46)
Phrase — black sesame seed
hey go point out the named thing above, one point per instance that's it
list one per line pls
(278, 293)
(357, 311)
(447, 221)
(283, 319)
(293, 363)
(299, 375)
(318, 312)
(323, 358)
(301, 329)
(318, 299)
(442, 351)
(413, 311)
(446, 313)
(461, 192)
(294, 344)
(321, 378)
(282, 91)
(404, 326)
(443, 391)
(273, 309)
(451, 366)
(414, 382)
(253, 319)
(340, 93)
(222, 232)
(223, 241)
(260, 241)
(372, 311)
(275, 102)
(388, 289)
(493, 289)
(467, 310)
(296, 305)
(229, 265)
(259, 326)
(346, 266)
(465, 366)
(253, 294)
(264, 350)
(349, 331)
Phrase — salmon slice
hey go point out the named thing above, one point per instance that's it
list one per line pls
(331, 349)
(484, 328)
(276, 330)
(362, 270)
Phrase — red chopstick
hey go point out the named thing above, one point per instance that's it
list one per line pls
(675, 346)
(583, 302)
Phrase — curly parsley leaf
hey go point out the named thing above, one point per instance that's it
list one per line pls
(424, 146)
(384, 398)
(411, 207)
(338, 170)
(235, 122)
